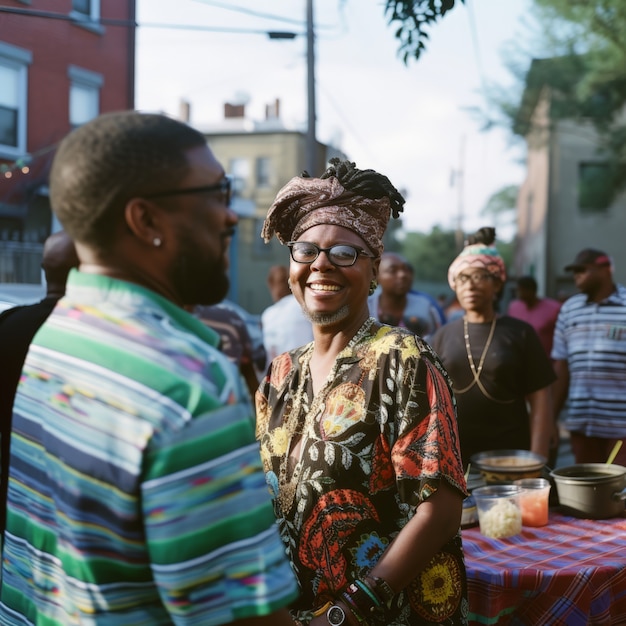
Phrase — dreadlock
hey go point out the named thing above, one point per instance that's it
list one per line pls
(366, 183)
(486, 235)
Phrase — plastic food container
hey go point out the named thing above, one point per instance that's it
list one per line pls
(499, 510)
(534, 500)
(469, 516)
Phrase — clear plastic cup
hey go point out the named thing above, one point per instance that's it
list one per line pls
(499, 512)
(534, 500)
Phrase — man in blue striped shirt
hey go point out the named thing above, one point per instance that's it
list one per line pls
(589, 355)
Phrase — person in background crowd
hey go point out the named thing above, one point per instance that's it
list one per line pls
(358, 428)
(18, 326)
(589, 353)
(136, 492)
(397, 305)
(284, 324)
(236, 343)
(453, 309)
(497, 363)
(278, 282)
(540, 313)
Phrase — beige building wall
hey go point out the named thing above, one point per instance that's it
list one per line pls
(552, 227)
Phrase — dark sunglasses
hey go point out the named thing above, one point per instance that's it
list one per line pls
(224, 187)
(340, 255)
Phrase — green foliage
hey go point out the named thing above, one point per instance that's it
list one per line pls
(413, 16)
(430, 254)
(587, 77)
(501, 202)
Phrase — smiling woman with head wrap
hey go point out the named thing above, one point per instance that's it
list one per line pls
(360, 200)
(497, 363)
(358, 428)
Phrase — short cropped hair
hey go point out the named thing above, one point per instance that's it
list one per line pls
(527, 282)
(118, 156)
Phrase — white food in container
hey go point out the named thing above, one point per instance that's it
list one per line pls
(503, 519)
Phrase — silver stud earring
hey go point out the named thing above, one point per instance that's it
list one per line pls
(156, 242)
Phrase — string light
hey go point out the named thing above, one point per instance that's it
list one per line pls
(22, 165)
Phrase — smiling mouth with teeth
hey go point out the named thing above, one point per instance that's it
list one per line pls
(316, 287)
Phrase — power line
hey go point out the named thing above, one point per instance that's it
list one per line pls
(476, 47)
(230, 7)
(130, 23)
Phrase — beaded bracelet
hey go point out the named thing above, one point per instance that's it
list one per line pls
(354, 609)
(382, 589)
(358, 595)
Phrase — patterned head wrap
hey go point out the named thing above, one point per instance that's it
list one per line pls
(305, 202)
(478, 255)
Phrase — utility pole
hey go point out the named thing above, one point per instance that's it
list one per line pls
(311, 142)
(460, 175)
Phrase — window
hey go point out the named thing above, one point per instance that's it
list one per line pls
(86, 14)
(13, 99)
(595, 186)
(263, 171)
(84, 95)
(87, 8)
(239, 169)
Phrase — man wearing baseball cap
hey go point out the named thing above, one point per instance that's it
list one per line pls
(589, 354)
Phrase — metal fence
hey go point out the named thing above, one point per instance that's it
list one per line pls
(20, 262)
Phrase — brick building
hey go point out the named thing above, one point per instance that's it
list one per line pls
(62, 62)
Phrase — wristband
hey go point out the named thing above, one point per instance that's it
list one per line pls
(322, 609)
(354, 609)
(358, 595)
(382, 589)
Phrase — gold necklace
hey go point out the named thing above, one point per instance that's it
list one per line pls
(476, 371)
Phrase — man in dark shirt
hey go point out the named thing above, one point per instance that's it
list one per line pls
(18, 326)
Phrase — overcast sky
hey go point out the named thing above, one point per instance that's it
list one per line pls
(408, 122)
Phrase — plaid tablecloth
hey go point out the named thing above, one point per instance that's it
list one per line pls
(571, 572)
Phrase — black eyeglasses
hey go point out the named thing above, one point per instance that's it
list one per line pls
(477, 279)
(340, 255)
(224, 187)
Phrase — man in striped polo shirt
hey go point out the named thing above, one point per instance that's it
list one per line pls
(136, 492)
(589, 353)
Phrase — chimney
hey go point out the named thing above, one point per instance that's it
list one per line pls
(234, 110)
(184, 111)
(272, 111)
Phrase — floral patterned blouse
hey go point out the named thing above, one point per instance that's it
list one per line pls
(348, 467)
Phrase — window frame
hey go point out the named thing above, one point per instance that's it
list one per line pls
(91, 20)
(263, 172)
(588, 202)
(85, 79)
(18, 60)
(94, 11)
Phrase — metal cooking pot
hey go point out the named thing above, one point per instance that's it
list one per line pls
(591, 490)
(505, 466)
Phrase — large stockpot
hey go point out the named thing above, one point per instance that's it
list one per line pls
(591, 490)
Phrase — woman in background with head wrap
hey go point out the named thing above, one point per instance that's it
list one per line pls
(358, 428)
(497, 364)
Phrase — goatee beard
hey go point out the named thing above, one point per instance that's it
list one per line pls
(327, 319)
